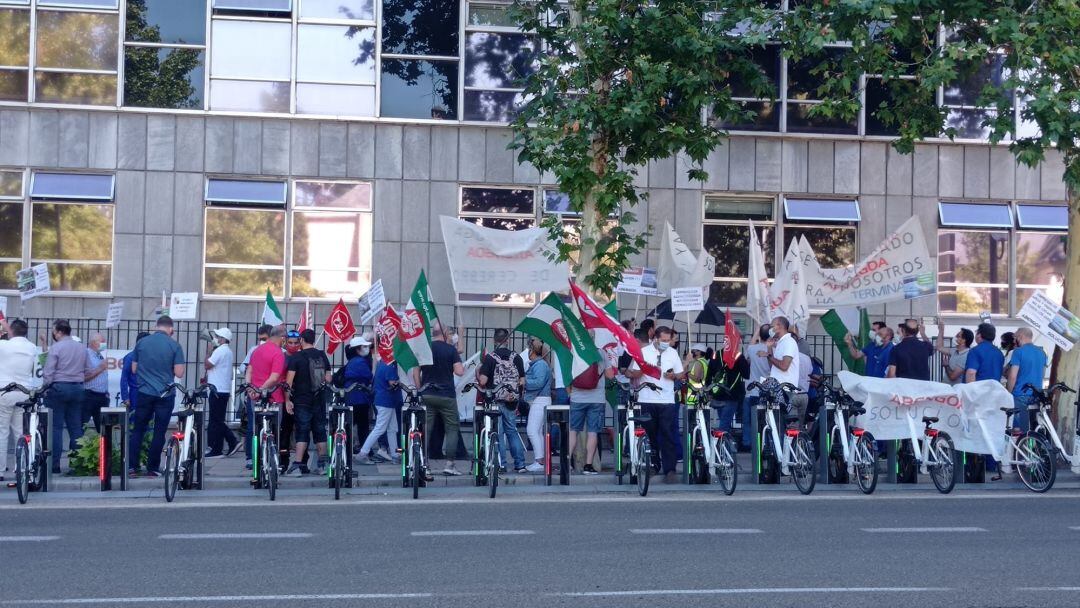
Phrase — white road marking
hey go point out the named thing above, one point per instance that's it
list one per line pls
(27, 539)
(1048, 589)
(472, 533)
(218, 598)
(236, 535)
(921, 530)
(1074, 527)
(755, 591)
(695, 531)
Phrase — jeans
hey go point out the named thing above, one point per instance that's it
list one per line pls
(446, 409)
(65, 401)
(510, 438)
(561, 397)
(160, 409)
(91, 408)
(386, 423)
(249, 431)
(535, 426)
(362, 421)
(749, 410)
(1022, 419)
(664, 418)
(725, 414)
(216, 429)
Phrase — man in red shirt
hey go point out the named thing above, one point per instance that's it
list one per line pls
(266, 369)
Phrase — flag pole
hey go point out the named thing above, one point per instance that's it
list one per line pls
(637, 306)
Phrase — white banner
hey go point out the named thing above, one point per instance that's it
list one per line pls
(466, 402)
(3, 306)
(757, 287)
(489, 261)
(787, 296)
(679, 267)
(1053, 321)
(372, 303)
(892, 402)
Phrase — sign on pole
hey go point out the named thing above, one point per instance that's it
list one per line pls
(687, 299)
(184, 306)
(1055, 322)
(114, 315)
(639, 280)
(33, 281)
(372, 303)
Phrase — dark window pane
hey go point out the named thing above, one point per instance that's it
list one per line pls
(243, 281)
(245, 191)
(1043, 216)
(493, 106)
(77, 40)
(249, 96)
(801, 83)
(420, 27)
(234, 236)
(499, 61)
(734, 209)
(14, 37)
(257, 6)
(557, 202)
(822, 210)
(79, 277)
(1040, 260)
(730, 245)
(82, 89)
(11, 185)
(8, 272)
(497, 200)
(835, 247)
(768, 60)
(11, 219)
(800, 121)
(973, 257)
(976, 76)
(178, 21)
(163, 78)
(77, 186)
(973, 300)
(728, 293)
(879, 97)
(338, 9)
(14, 85)
(975, 214)
(969, 123)
(339, 195)
(766, 117)
(419, 89)
(71, 232)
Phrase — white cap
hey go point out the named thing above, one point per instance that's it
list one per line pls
(701, 348)
(358, 341)
(223, 332)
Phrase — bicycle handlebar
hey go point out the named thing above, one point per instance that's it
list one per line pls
(1044, 395)
(341, 392)
(489, 392)
(634, 390)
(190, 395)
(33, 394)
(264, 393)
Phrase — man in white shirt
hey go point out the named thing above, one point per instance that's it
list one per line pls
(219, 374)
(17, 355)
(660, 405)
(784, 358)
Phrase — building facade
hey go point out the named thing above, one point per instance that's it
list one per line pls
(223, 146)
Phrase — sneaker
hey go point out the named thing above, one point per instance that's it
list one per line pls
(366, 460)
(521, 470)
(295, 470)
(151, 473)
(133, 472)
(429, 477)
(379, 458)
(320, 468)
(247, 464)
(234, 449)
(589, 470)
(450, 471)
(210, 454)
(535, 467)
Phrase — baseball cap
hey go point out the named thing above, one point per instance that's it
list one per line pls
(224, 332)
(359, 341)
(698, 346)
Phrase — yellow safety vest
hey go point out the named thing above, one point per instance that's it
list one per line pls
(696, 385)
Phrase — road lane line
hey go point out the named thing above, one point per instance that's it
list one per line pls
(27, 539)
(217, 598)
(695, 531)
(921, 530)
(1074, 527)
(472, 533)
(1071, 589)
(236, 535)
(755, 591)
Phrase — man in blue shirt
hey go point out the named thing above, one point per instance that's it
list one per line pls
(876, 353)
(155, 361)
(1027, 366)
(985, 361)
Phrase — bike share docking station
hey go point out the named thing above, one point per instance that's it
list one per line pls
(114, 432)
(765, 471)
(479, 479)
(690, 474)
(558, 415)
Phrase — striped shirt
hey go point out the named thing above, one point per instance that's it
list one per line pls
(100, 383)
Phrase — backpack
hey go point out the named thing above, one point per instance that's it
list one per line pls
(505, 372)
(317, 371)
(338, 379)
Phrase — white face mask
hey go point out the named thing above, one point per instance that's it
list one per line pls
(878, 339)
(454, 339)
(364, 350)
(102, 346)
(662, 346)
(772, 333)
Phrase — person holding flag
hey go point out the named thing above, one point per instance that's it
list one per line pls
(660, 404)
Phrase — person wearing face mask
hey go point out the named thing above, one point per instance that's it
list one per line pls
(876, 354)
(266, 370)
(292, 343)
(757, 353)
(262, 334)
(157, 360)
(954, 360)
(783, 356)
(65, 370)
(219, 372)
(96, 384)
(660, 404)
(358, 370)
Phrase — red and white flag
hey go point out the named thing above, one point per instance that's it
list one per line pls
(734, 341)
(386, 329)
(339, 327)
(305, 321)
(594, 317)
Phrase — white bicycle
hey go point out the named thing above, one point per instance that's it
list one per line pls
(635, 452)
(932, 453)
(712, 451)
(1044, 424)
(488, 447)
(184, 452)
(851, 449)
(31, 459)
(795, 456)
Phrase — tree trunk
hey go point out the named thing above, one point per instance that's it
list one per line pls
(1069, 365)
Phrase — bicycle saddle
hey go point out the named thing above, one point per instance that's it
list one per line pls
(1009, 411)
(184, 414)
(641, 418)
(858, 411)
(930, 419)
(791, 418)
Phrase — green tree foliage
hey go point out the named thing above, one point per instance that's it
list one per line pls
(622, 83)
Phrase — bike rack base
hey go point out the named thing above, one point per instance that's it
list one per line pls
(114, 421)
(559, 415)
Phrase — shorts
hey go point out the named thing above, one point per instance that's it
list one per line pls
(310, 419)
(584, 415)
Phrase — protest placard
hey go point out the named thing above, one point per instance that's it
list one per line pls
(1053, 321)
(639, 280)
(114, 314)
(184, 306)
(33, 282)
(372, 303)
(687, 299)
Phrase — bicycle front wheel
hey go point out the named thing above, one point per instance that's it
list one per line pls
(866, 473)
(1036, 467)
(270, 465)
(726, 468)
(172, 469)
(416, 458)
(643, 465)
(22, 470)
(339, 467)
(941, 465)
(491, 464)
(804, 469)
(701, 467)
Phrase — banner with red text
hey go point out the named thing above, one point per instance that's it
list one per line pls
(492, 261)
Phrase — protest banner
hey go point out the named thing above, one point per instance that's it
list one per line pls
(687, 299)
(114, 314)
(490, 261)
(757, 286)
(372, 303)
(1053, 321)
(891, 403)
(3, 307)
(679, 267)
(787, 296)
(184, 306)
(33, 282)
(639, 280)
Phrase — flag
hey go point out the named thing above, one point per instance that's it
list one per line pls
(305, 320)
(339, 327)
(787, 296)
(757, 286)
(385, 332)
(412, 346)
(553, 323)
(594, 317)
(734, 338)
(679, 267)
(839, 322)
(271, 315)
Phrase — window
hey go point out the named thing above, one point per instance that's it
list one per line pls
(419, 65)
(766, 109)
(258, 7)
(250, 65)
(11, 218)
(727, 229)
(975, 214)
(961, 96)
(250, 231)
(165, 54)
(335, 64)
(76, 55)
(801, 95)
(504, 209)
(973, 271)
(72, 229)
(14, 54)
(828, 225)
(1040, 251)
(498, 60)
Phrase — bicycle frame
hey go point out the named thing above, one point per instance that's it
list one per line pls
(632, 431)
(415, 430)
(488, 428)
(788, 454)
(921, 444)
(264, 411)
(1045, 424)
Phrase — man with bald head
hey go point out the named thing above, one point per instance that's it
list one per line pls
(1027, 366)
(96, 384)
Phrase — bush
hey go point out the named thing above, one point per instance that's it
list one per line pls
(83, 462)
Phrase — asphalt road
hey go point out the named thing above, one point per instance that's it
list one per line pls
(977, 550)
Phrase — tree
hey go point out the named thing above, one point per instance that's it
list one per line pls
(1028, 48)
(621, 83)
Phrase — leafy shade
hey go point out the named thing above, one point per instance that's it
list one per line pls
(622, 83)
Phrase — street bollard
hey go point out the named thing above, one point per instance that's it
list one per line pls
(114, 428)
(200, 447)
(974, 469)
(558, 415)
(761, 475)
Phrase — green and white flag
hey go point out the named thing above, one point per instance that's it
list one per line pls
(553, 323)
(839, 322)
(412, 345)
(271, 314)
